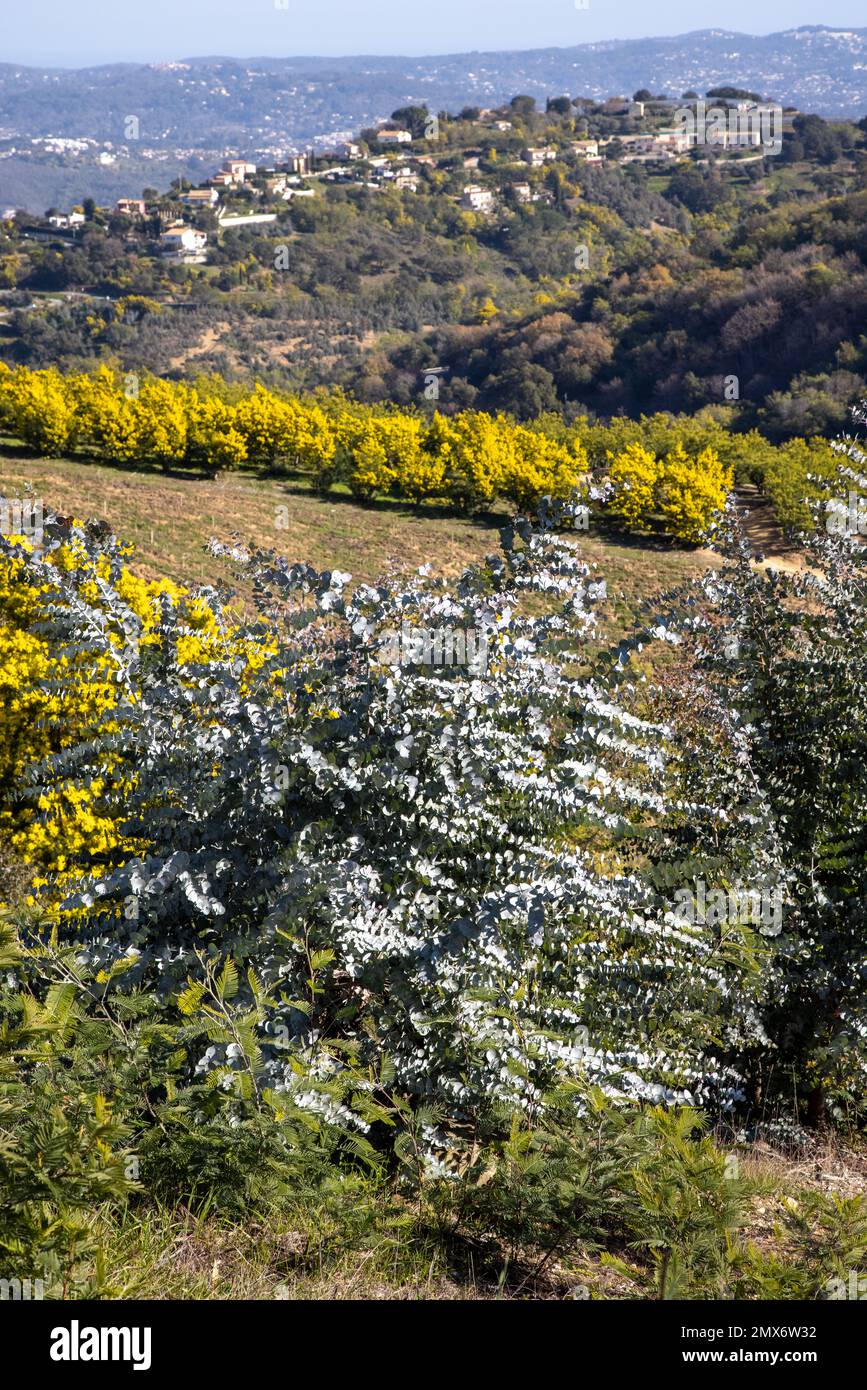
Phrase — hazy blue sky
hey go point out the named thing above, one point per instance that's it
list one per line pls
(77, 32)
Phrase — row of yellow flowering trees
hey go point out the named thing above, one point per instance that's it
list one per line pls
(683, 492)
(467, 460)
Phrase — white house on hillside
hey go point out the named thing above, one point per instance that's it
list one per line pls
(200, 198)
(394, 137)
(67, 219)
(540, 154)
(184, 243)
(477, 199)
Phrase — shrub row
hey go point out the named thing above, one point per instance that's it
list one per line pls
(790, 474)
(666, 471)
(468, 461)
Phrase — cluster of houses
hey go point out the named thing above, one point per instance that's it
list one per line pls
(181, 242)
(672, 144)
(187, 244)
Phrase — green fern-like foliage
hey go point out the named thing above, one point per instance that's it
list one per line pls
(61, 1147)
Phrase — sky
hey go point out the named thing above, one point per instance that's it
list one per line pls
(75, 33)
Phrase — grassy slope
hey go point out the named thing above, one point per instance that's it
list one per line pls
(168, 518)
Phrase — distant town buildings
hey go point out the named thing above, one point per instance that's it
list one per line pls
(731, 124)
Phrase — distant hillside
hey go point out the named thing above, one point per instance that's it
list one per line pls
(263, 106)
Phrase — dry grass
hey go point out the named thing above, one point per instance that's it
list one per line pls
(157, 1252)
(162, 1253)
(169, 517)
(829, 1165)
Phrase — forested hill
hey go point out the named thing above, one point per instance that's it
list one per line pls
(737, 284)
(197, 101)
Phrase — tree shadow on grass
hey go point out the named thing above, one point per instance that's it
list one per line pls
(288, 481)
(643, 540)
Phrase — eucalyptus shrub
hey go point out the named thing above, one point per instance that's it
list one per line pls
(434, 872)
(785, 655)
(448, 849)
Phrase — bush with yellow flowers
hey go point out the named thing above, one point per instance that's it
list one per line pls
(691, 491)
(39, 408)
(679, 494)
(312, 443)
(413, 474)
(480, 458)
(423, 458)
(53, 698)
(57, 696)
(214, 441)
(364, 445)
(266, 424)
(163, 417)
(634, 476)
(537, 466)
(107, 421)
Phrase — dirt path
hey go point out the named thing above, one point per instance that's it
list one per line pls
(765, 533)
(208, 341)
